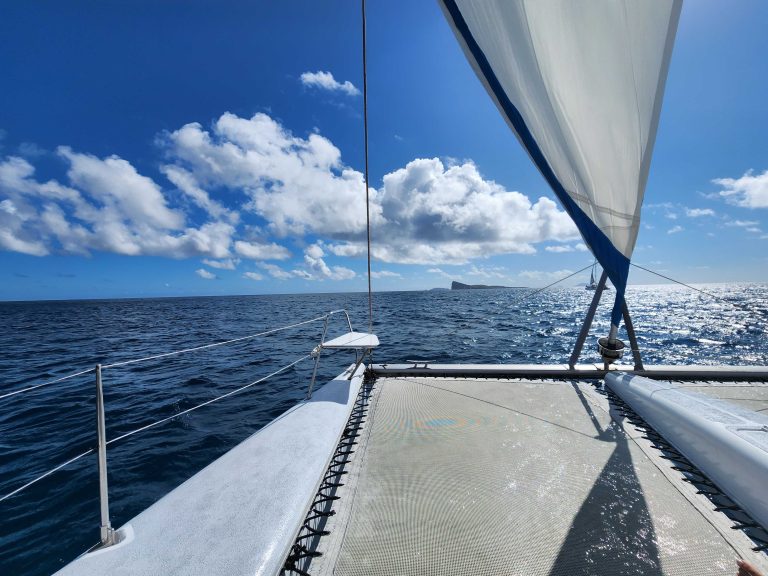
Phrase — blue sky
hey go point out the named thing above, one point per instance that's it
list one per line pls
(190, 148)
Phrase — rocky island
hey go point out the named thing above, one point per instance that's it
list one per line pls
(460, 286)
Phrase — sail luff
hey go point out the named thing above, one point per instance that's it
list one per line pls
(669, 44)
(581, 85)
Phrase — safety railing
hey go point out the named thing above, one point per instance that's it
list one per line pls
(319, 348)
(108, 535)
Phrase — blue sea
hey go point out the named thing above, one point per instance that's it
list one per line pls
(46, 526)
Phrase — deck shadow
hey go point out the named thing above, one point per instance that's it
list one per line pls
(613, 531)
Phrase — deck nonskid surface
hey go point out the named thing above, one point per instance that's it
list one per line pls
(499, 477)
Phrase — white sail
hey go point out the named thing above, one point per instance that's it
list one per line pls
(581, 84)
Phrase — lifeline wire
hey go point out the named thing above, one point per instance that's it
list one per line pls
(27, 389)
(155, 357)
(165, 355)
(152, 425)
(51, 471)
(367, 200)
(188, 410)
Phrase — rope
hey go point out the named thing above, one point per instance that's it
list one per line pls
(715, 296)
(188, 410)
(196, 348)
(51, 471)
(367, 199)
(47, 383)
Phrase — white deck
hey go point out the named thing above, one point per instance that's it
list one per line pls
(238, 516)
(456, 475)
(353, 340)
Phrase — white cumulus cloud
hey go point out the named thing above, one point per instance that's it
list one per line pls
(246, 174)
(385, 274)
(749, 191)
(432, 214)
(11, 240)
(262, 251)
(561, 248)
(107, 206)
(203, 273)
(424, 213)
(435, 213)
(187, 184)
(120, 188)
(675, 229)
(318, 269)
(275, 271)
(314, 251)
(348, 249)
(326, 81)
(699, 212)
(297, 185)
(227, 264)
(253, 276)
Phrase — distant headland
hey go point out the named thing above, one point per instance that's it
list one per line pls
(460, 286)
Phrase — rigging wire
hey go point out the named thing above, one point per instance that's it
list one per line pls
(367, 199)
(531, 294)
(715, 296)
(523, 299)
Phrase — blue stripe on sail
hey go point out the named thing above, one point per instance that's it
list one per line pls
(613, 261)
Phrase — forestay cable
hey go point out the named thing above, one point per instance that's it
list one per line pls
(367, 195)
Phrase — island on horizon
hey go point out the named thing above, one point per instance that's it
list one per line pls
(461, 286)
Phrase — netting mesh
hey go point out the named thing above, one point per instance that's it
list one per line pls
(488, 477)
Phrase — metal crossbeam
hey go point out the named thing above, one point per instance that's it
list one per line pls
(588, 321)
(589, 318)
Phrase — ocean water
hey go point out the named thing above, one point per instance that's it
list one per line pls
(55, 520)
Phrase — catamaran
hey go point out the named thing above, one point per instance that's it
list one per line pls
(424, 468)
